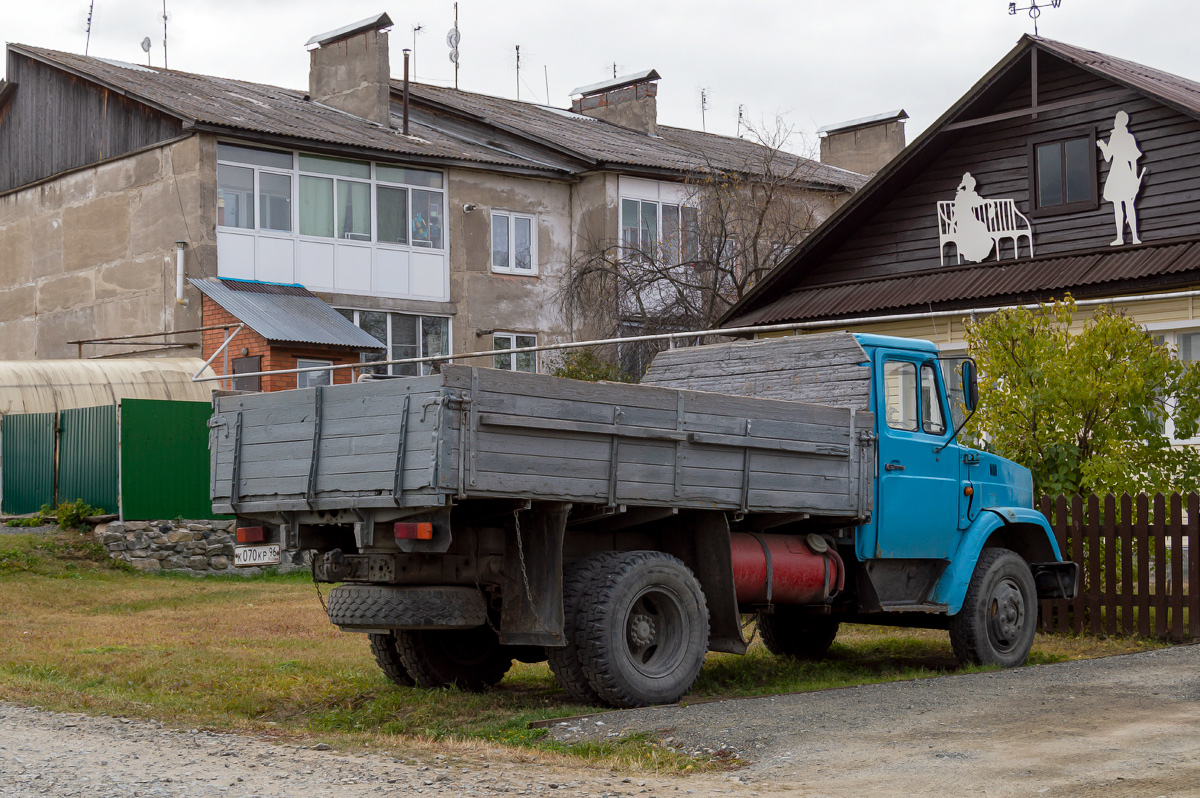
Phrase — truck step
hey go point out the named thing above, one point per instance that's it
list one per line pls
(914, 606)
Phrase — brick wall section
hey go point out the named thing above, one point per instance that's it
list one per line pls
(273, 356)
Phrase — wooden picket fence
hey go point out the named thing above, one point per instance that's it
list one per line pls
(1139, 570)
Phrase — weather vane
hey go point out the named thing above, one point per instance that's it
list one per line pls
(1034, 10)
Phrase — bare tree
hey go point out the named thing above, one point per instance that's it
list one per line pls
(675, 268)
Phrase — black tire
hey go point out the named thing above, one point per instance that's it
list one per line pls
(564, 661)
(386, 607)
(787, 632)
(998, 618)
(643, 630)
(387, 657)
(470, 659)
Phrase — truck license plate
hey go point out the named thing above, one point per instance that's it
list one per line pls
(256, 555)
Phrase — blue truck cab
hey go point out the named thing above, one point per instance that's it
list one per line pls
(954, 532)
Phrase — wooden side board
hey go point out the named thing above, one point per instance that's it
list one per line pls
(484, 433)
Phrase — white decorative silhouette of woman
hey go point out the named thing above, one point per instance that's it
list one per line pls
(970, 233)
(1123, 183)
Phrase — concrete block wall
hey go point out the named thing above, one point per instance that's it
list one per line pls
(91, 253)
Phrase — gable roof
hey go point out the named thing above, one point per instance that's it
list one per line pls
(447, 125)
(776, 295)
(285, 313)
(605, 145)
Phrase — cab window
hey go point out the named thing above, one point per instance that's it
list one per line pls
(900, 385)
(931, 402)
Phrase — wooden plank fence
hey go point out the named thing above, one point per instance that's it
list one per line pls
(1139, 564)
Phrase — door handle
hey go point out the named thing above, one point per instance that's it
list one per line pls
(892, 467)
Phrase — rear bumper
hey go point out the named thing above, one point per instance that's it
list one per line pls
(1056, 580)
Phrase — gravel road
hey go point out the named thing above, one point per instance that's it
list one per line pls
(1116, 727)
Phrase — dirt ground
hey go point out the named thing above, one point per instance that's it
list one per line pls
(1114, 727)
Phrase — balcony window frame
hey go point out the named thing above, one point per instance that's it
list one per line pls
(423, 369)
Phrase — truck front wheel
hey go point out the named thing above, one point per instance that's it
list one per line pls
(643, 631)
(471, 659)
(998, 618)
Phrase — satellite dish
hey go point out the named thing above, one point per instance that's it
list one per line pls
(453, 38)
(454, 56)
(146, 45)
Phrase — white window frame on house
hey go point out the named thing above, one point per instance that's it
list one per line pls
(345, 260)
(355, 316)
(313, 379)
(502, 219)
(636, 192)
(498, 361)
(1171, 333)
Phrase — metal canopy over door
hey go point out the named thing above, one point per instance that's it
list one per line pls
(27, 453)
(917, 515)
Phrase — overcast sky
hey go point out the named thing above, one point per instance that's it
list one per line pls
(813, 63)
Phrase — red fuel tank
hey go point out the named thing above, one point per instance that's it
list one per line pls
(805, 569)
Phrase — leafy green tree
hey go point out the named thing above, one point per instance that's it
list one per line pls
(584, 364)
(1085, 411)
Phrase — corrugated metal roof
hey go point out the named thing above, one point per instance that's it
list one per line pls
(874, 119)
(43, 386)
(285, 313)
(260, 108)
(965, 285)
(617, 83)
(673, 148)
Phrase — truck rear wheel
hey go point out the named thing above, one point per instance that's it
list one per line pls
(564, 660)
(383, 647)
(643, 630)
(787, 632)
(998, 618)
(471, 659)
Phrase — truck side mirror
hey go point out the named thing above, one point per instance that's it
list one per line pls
(970, 385)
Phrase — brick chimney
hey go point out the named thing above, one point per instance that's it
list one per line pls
(349, 69)
(628, 101)
(863, 145)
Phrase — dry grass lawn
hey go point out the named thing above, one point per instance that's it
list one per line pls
(258, 655)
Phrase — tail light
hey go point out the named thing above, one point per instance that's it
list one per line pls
(251, 534)
(421, 530)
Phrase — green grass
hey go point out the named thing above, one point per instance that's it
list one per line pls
(257, 654)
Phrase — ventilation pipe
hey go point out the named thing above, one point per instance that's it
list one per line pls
(179, 247)
(406, 54)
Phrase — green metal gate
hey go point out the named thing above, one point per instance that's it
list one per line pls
(87, 456)
(164, 459)
(27, 455)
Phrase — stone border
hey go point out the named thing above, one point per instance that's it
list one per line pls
(195, 547)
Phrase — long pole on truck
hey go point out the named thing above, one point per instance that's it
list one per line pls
(732, 331)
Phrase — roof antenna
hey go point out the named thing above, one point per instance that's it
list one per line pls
(741, 111)
(146, 49)
(1034, 10)
(452, 39)
(416, 29)
(614, 69)
(546, 72)
(87, 43)
(165, 35)
(703, 108)
(518, 71)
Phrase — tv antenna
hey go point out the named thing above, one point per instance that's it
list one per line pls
(741, 113)
(703, 108)
(1034, 10)
(88, 27)
(518, 71)
(146, 49)
(164, 19)
(416, 29)
(452, 40)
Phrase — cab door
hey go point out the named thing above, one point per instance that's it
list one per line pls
(917, 512)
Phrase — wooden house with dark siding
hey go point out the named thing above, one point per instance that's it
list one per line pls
(1030, 165)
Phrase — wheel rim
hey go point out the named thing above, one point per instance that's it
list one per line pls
(1006, 615)
(655, 632)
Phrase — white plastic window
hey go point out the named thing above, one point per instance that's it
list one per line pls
(514, 243)
(312, 379)
(520, 361)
